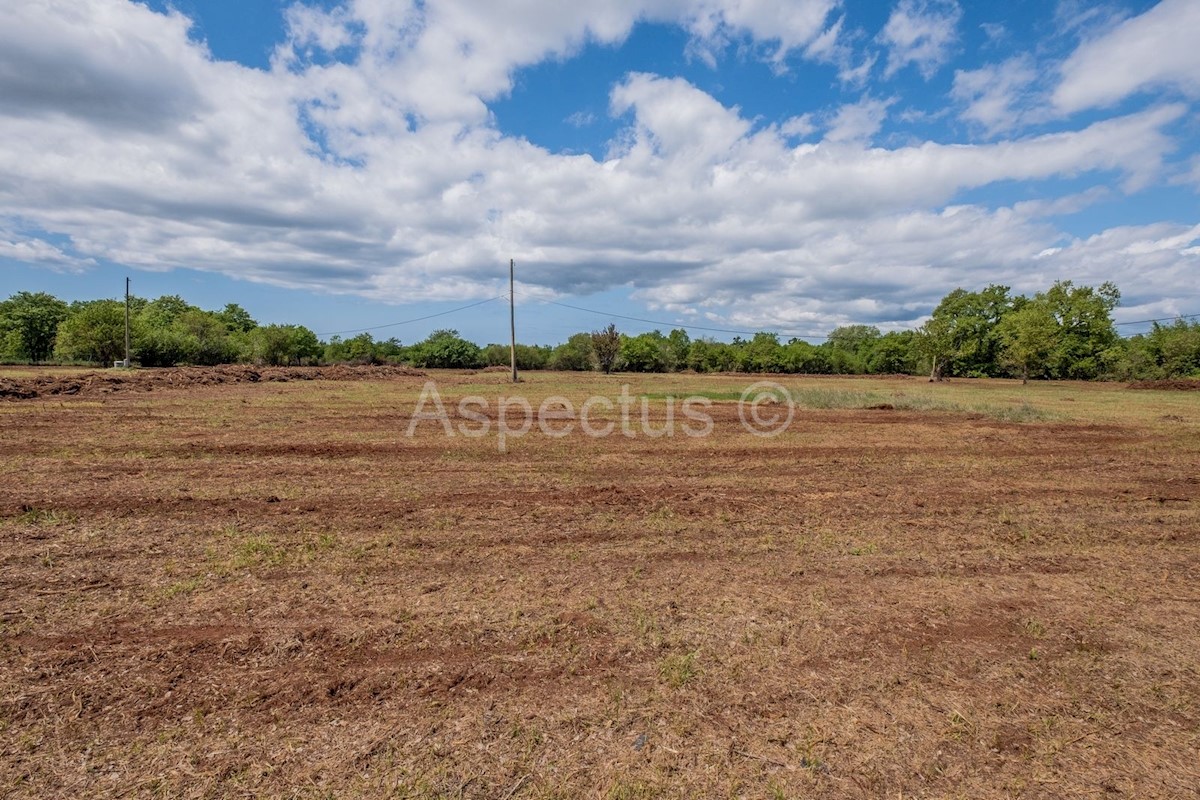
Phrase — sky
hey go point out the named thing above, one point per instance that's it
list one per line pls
(720, 165)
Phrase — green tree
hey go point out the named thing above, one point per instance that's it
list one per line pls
(1029, 335)
(237, 319)
(94, 331)
(445, 349)
(163, 312)
(29, 324)
(961, 337)
(893, 353)
(703, 355)
(849, 347)
(360, 349)
(1165, 351)
(679, 346)
(800, 356)
(529, 357)
(390, 350)
(208, 340)
(606, 345)
(277, 345)
(1175, 348)
(761, 354)
(575, 354)
(1086, 333)
(161, 345)
(857, 339)
(646, 352)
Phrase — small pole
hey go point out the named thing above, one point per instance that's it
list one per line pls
(126, 322)
(512, 315)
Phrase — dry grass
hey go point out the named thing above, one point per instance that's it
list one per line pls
(267, 590)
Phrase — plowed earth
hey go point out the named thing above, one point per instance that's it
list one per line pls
(265, 589)
(115, 381)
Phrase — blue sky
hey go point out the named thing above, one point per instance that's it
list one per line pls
(721, 164)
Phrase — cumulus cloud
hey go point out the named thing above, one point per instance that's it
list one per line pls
(32, 250)
(922, 33)
(858, 121)
(1157, 48)
(1139, 258)
(798, 127)
(834, 47)
(790, 26)
(366, 161)
(993, 95)
(56, 60)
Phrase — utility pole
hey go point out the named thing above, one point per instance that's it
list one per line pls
(512, 315)
(127, 323)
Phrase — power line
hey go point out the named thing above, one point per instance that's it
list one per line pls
(821, 336)
(665, 323)
(417, 319)
(683, 325)
(1160, 319)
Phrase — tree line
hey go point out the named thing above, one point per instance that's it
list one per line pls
(1065, 332)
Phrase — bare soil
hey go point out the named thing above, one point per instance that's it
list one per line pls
(114, 381)
(251, 588)
(1173, 385)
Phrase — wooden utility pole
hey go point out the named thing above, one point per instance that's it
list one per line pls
(512, 315)
(127, 323)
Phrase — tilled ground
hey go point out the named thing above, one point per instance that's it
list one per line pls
(70, 382)
(270, 590)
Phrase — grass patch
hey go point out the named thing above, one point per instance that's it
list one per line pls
(1020, 413)
(182, 587)
(45, 516)
(679, 670)
(256, 551)
(636, 790)
(247, 551)
(830, 399)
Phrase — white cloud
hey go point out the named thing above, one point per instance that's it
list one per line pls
(993, 94)
(328, 30)
(791, 25)
(798, 127)
(858, 121)
(1158, 48)
(1191, 176)
(676, 121)
(995, 32)
(394, 182)
(827, 46)
(833, 47)
(858, 75)
(1140, 259)
(57, 59)
(31, 250)
(581, 119)
(1088, 18)
(922, 33)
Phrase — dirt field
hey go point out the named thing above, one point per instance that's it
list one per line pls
(251, 589)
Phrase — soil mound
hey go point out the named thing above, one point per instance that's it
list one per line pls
(94, 383)
(1173, 385)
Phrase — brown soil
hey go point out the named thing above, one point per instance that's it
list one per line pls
(243, 590)
(114, 381)
(1175, 385)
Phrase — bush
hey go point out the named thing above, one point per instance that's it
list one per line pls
(576, 354)
(445, 349)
